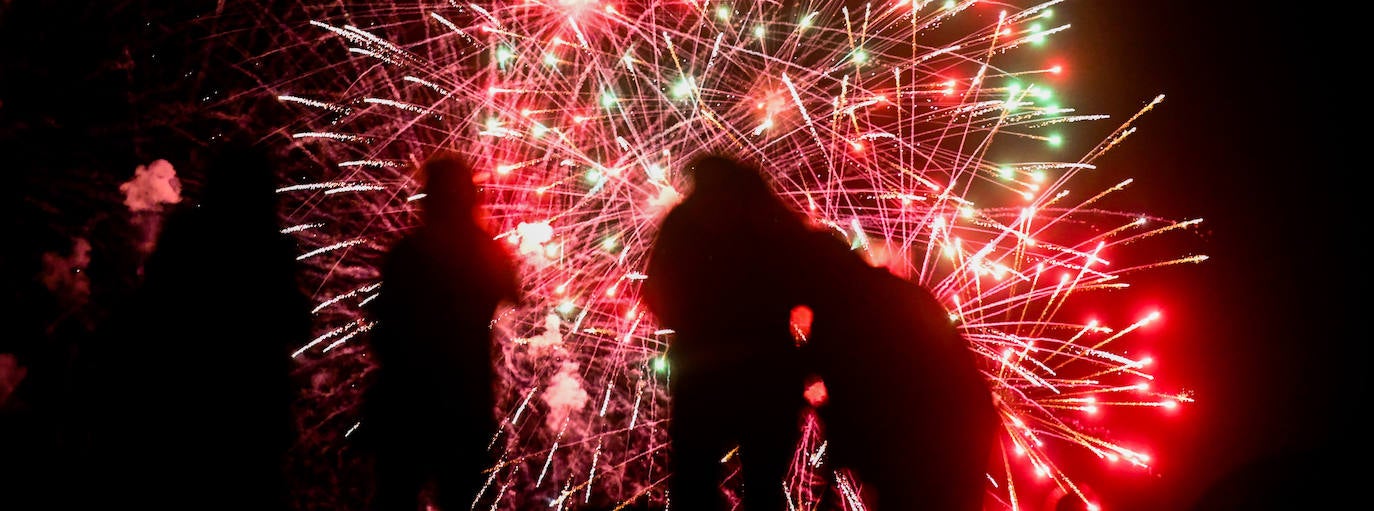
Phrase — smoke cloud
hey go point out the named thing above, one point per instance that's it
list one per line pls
(551, 337)
(564, 395)
(152, 186)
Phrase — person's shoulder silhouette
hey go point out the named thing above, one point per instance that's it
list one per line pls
(228, 246)
(448, 272)
(730, 224)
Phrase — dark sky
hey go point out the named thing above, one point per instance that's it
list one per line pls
(1250, 140)
(1252, 137)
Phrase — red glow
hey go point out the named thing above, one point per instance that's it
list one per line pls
(801, 323)
(1057, 68)
(815, 393)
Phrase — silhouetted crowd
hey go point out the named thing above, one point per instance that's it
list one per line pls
(180, 394)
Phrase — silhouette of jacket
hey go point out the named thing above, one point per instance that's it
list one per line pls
(715, 278)
(908, 410)
(430, 412)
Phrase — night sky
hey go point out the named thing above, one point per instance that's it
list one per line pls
(1267, 328)
(1255, 137)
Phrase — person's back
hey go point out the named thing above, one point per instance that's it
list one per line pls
(715, 280)
(718, 295)
(429, 413)
(439, 293)
(908, 411)
(203, 366)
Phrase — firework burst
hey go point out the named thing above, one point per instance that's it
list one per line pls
(927, 133)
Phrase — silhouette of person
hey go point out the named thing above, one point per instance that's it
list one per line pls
(203, 362)
(716, 278)
(430, 412)
(907, 410)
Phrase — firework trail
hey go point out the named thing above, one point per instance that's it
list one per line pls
(926, 133)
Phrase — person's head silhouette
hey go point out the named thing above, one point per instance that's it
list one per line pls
(450, 194)
(239, 190)
(738, 194)
(239, 172)
(716, 175)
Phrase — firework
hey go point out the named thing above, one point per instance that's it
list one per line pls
(927, 133)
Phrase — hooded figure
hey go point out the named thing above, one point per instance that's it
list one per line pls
(430, 413)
